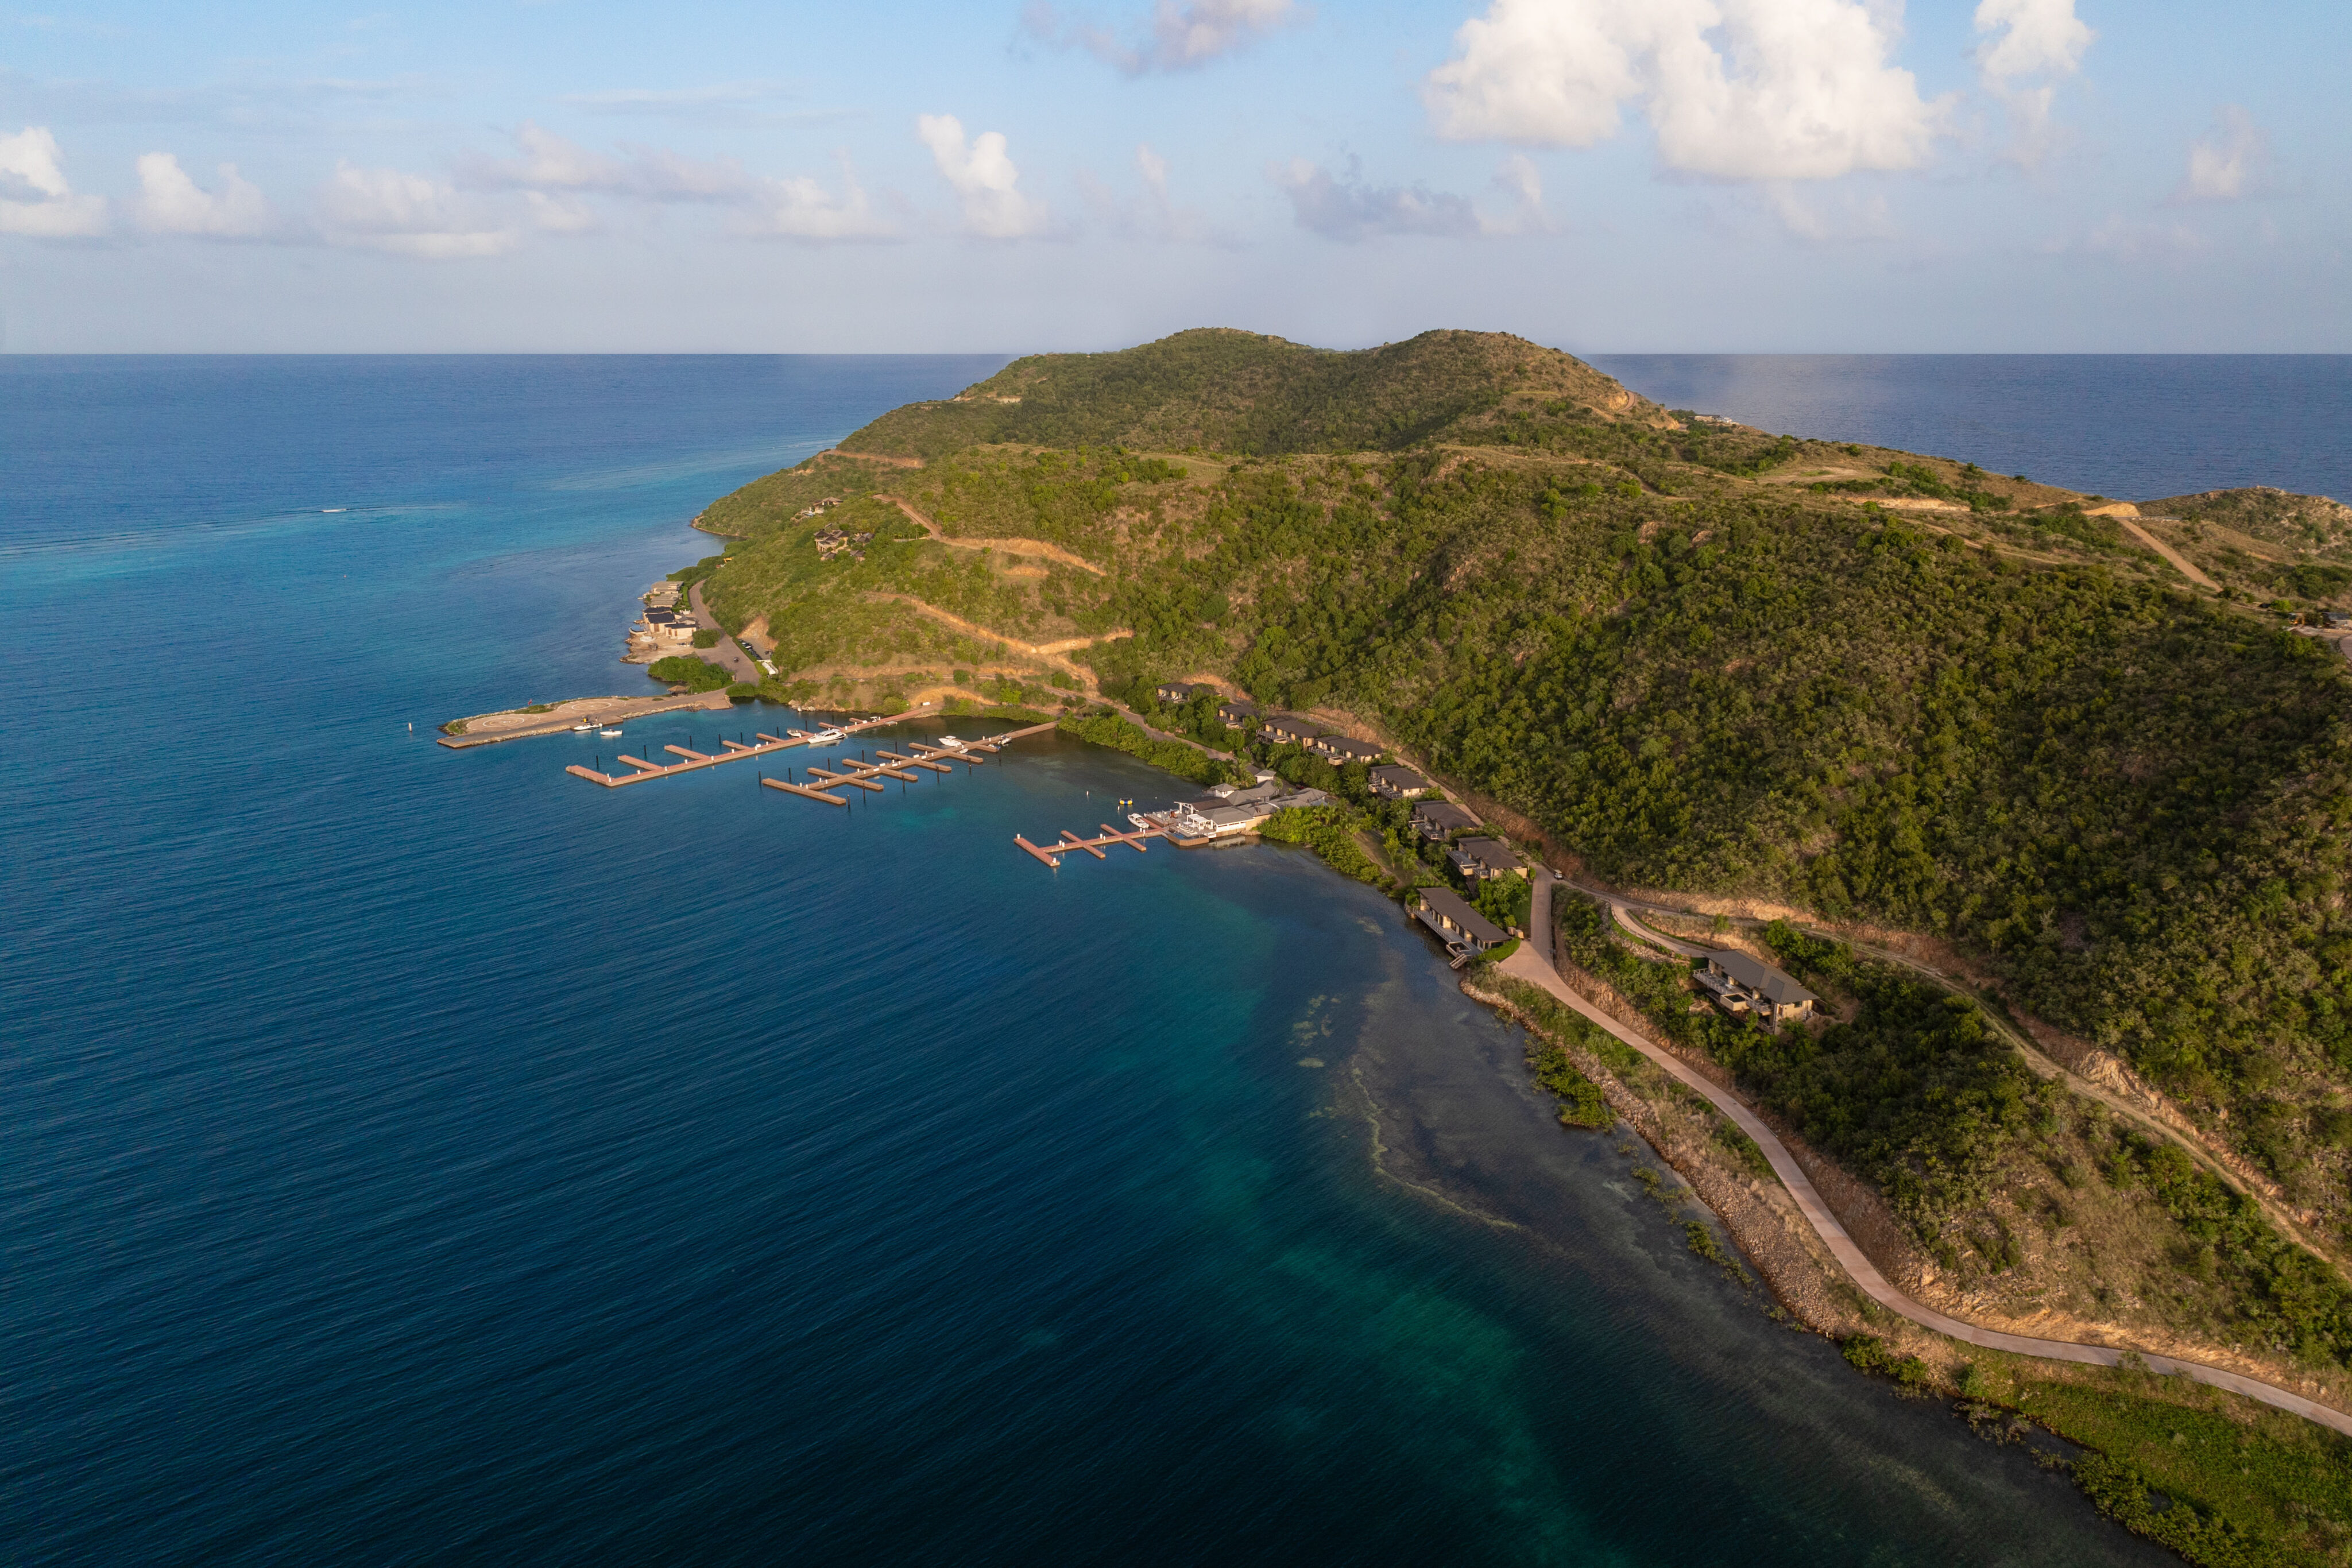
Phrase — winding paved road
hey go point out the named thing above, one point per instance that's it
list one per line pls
(2041, 1062)
(1536, 969)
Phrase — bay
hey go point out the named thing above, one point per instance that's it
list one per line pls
(409, 1155)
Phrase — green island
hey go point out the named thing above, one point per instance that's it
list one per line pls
(2046, 797)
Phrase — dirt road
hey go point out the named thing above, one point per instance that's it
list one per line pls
(1036, 548)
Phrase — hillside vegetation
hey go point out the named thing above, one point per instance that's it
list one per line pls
(1883, 689)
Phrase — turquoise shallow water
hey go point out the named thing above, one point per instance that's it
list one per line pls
(409, 1155)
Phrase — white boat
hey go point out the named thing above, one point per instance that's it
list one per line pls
(582, 728)
(826, 738)
(610, 734)
(951, 743)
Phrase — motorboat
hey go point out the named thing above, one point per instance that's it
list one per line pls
(610, 734)
(582, 728)
(825, 737)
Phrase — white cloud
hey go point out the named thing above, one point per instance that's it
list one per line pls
(1799, 89)
(551, 162)
(2228, 163)
(170, 202)
(1349, 210)
(557, 214)
(802, 209)
(675, 100)
(984, 178)
(2027, 45)
(1181, 37)
(2038, 37)
(1518, 178)
(1164, 217)
(407, 215)
(2128, 240)
(1843, 219)
(36, 200)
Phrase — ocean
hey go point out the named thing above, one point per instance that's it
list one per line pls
(409, 1155)
(2131, 427)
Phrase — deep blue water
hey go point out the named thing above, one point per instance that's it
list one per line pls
(408, 1155)
(2131, 427)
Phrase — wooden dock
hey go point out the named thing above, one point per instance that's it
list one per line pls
(861, 775)
(1052, 853)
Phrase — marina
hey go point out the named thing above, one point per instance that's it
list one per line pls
(824, 780)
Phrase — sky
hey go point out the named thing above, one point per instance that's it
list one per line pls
(1015, 176)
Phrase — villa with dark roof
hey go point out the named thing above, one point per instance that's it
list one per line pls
(1343, 750)
(1480, 860)
(1462, 928)
(1435, 819)
(1740, 984)
(1289, 729)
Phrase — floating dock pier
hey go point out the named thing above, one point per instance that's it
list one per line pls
(823, 780)
(1052, 853)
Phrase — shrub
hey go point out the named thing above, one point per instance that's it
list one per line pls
(1331, 832)
(695, 675)
(704, 637)
(1108, 729)
(1581, 1104)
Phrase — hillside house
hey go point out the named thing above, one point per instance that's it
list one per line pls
(1174, 691)
(1394, 783)
(1462, 928)
(1343, 750)
(1235, 713)
(1437, 818)
(1289, 729)
(1740, 984)
(1482, 859)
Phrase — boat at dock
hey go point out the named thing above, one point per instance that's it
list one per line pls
(610, 734)
(582, 728)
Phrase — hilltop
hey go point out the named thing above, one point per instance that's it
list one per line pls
(1960, 713)
(1237, 392)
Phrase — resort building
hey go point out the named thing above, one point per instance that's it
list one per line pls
(1174, 691)
(1481, 859)
(1395, 783)
(1342, 749)
(1462, 928)
(1437, 818)
(1289, 729)
(1740, 984)
(1240, 810)
(1235, 713)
